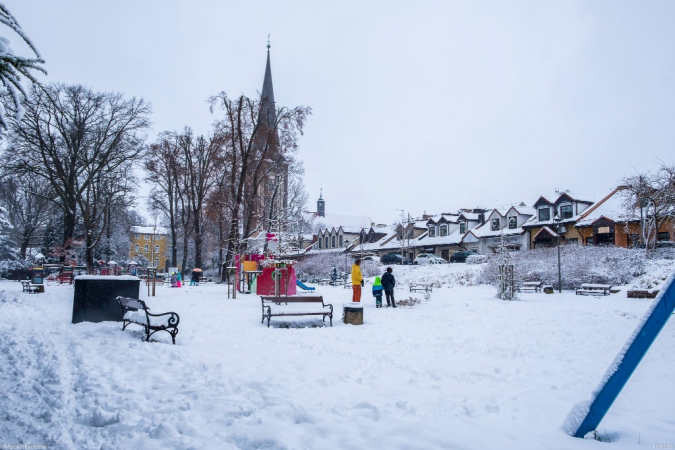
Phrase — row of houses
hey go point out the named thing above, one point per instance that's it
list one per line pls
(563, 217)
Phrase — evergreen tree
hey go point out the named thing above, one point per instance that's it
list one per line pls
(13, 68)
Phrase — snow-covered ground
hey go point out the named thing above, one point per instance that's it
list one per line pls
(459, 370)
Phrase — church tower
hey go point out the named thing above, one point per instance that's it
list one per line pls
(274, 190)
(321, 205)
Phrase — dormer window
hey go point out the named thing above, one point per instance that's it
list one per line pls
(566, 211)
(333, 241)
(462, 227)
(494, 224)
(432, 231)
(513, 222)
(444, 230)
(544, 214)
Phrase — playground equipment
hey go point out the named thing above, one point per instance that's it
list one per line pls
(38, 278)
(586, 416)
(303, 286)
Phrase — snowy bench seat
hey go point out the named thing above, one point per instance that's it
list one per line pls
(531, 286)
(137, 312)
(594, 289)
(30, 287)
(426, 287)
(269, 302)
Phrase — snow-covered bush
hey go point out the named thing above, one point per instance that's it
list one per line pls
(321, 264)
(476, 259)
(579, 264)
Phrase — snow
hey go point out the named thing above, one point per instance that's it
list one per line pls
(140, 317)
(459, 370)
(107, 277)
(149, 230)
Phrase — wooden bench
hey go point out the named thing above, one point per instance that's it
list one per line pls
(203, 280)
(426, 287)
(137, 312)
(347, 284)
(268, 301)
(30, 287)
(533, 286)
(594, 289)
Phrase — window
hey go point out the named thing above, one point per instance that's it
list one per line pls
(513, 222)
(342, 241)
(137, 248)
(494, 224)
(566, 211)
(138, 236)
(156, 249)
(319, 242)
(332, 241)
(462, 227)
(146, 237)
(432, 231)
(544, 214)
(589, 241)
(145, 248)
(157, 263)
(444, 230)
(325, 241)
(663, 236)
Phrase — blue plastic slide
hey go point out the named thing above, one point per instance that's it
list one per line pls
(303, 286)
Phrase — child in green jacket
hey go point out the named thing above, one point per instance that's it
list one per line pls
(378, 290)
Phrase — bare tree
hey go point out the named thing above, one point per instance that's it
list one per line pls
(201, 156)
(254, 147)
(163, 168)
(27, 211)
(651, 197)
(82, 142)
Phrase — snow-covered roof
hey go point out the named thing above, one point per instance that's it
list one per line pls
(524, 210)
(452, 238)
(486, 230)
(556, 197)
(611, 207)
(473, 217)
(149, 230)
(346, 222)
(545, 230)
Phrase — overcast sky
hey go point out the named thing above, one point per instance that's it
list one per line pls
(426, 106)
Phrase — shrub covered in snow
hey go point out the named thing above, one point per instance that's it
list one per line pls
(321, 264)
(476, 259)
(579, 264)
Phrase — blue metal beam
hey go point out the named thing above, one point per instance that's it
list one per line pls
(637, 346)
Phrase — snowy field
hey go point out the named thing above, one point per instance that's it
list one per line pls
(461, 370)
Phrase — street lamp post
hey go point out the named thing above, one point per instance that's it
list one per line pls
(558, 220)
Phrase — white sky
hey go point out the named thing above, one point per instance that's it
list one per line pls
(423, 106)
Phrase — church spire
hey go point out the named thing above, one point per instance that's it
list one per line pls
(269, 110)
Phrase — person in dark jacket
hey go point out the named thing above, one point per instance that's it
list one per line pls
(194, 280)
(388, 283)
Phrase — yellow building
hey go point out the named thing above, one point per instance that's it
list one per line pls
(150, 243)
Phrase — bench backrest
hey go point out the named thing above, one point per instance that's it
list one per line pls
(595, 286)
(131, 303)
(293, 299)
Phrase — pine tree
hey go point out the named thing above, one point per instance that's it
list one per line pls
(13, 68)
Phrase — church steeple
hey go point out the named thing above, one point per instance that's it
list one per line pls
(269, 110)
(321, 205)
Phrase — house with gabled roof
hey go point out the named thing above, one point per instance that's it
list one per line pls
(445, 232)
(503, 221)
(609, 223)
(544, 232)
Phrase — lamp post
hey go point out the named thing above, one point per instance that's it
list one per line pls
(558, 220)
